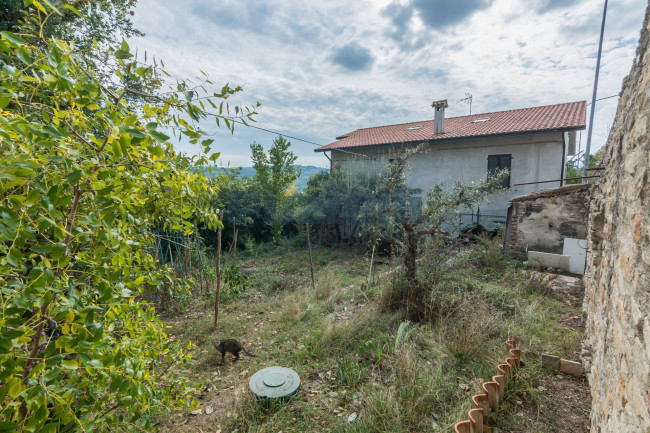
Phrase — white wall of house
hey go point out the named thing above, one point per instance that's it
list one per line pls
(535, 157)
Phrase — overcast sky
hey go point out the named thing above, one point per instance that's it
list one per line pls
(323, 68)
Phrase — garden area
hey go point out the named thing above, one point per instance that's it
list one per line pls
(121, 260)
(364, 368)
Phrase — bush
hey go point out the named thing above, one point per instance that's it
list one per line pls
(487, 253)
(235, 282)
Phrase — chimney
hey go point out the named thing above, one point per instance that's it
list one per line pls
(439, 117)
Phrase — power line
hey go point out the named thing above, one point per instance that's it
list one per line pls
(606, 97)
(234, 120)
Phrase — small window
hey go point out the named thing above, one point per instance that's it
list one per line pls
(415, 127)
(481, 119)
(499, 162)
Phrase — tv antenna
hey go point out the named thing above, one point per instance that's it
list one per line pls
(468, 100)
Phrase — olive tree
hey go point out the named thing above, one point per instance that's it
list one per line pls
(405, 217)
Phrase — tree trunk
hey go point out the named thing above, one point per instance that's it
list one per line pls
(410, 254)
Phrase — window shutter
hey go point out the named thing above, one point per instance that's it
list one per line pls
(497, 162)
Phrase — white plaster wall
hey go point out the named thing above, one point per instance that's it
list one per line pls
(535, 157)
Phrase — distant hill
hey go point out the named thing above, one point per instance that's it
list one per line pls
(306, 171)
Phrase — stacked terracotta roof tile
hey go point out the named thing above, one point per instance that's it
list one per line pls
(558, 117)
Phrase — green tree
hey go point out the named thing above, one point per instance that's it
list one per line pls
(275, 178)
(404, 218)
(93, 31)
(275, 174)
(334, 200)
(10, 14)
(574, 166)
(84, 178)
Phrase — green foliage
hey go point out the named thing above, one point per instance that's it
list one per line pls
(401, 217)
(244, 207)
(275, 178)
(93, 27)
(335, 201)
(402, 334)
(274, 173)
(84, 179)
(236, 282)
(10, 14)
(575, 165)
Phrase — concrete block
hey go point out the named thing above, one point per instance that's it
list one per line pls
(576, 249)
(550, 361)
(571, 368)
(548, 260)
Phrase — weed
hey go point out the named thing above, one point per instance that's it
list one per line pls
(282, 283)
(402, 334)
(235, 282)
(536, 282)
(350, 372)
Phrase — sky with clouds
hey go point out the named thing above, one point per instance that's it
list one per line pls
(323, 68)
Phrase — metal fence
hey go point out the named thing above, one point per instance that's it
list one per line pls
(487, 218)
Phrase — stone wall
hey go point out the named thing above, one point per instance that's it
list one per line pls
(541, 220)
(617, 346)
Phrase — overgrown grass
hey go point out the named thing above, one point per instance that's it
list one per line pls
(354, 357)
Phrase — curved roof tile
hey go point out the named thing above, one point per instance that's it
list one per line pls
(558, 117)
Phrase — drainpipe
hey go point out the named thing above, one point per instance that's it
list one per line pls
(563, 160)
(330, 159)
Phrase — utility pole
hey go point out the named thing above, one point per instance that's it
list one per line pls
(593, 98)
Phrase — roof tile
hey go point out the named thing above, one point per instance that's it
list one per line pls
(566, 116)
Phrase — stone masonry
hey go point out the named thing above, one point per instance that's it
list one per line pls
(541, 220)
(617, 347)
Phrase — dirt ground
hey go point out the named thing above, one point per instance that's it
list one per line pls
(562, 407)
(559, 403)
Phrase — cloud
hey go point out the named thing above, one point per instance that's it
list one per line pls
(353, 57)
(279, 22)
(543, 6)
(440, 14)
(400, 15)
(436, 15)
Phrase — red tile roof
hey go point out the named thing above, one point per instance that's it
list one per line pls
(558, 117)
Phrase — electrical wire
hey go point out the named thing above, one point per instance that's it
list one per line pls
(234, 120)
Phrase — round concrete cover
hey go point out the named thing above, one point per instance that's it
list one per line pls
(274, 382)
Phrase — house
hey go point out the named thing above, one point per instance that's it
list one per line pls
(533, 143)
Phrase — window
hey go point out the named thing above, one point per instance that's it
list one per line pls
(499, 162)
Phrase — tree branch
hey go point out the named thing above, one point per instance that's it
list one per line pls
(74, 131)
(73, 211)
(389, 238)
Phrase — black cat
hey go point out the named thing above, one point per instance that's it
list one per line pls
(231, 346)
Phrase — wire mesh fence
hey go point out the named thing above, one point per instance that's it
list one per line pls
(185, 255)
(488, 219)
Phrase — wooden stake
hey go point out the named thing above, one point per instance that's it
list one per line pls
(311, 260)
(235, 243)
(372, 258)
(216, 300)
